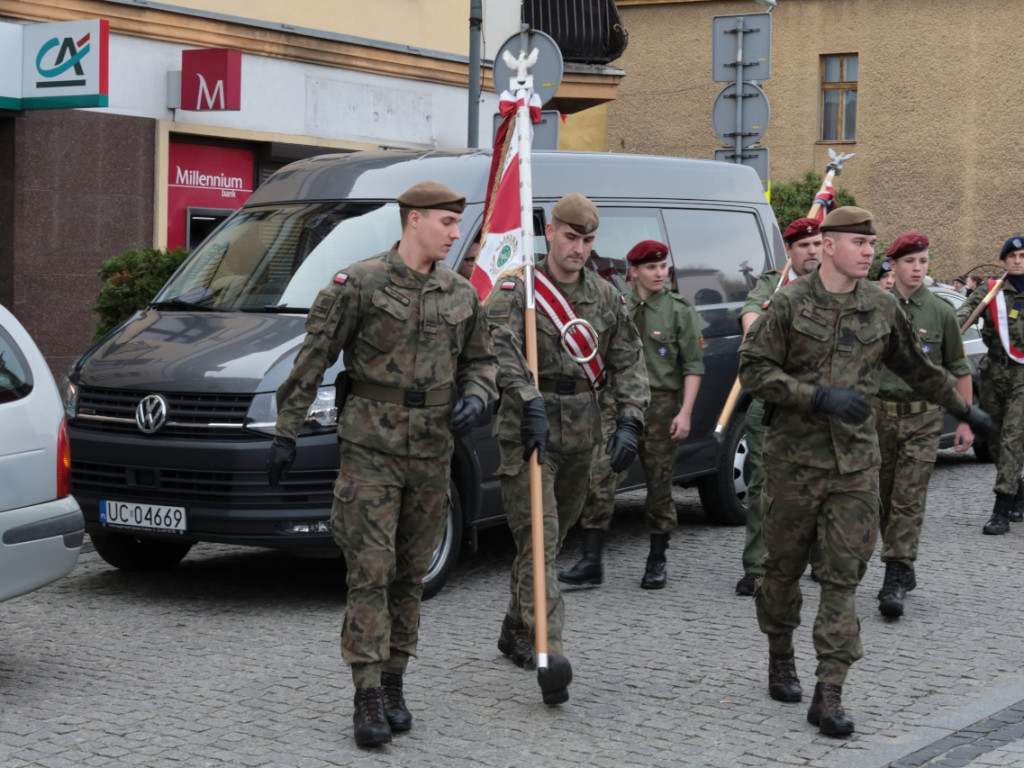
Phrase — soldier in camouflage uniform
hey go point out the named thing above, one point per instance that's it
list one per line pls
(803, 252)
(669, 332)
(559, 417)
(1002, 383)
(908, 427)
(413, 335)
(815, 356)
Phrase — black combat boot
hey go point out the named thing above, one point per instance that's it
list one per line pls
(999, 523)
(654, 575)
(1017, 510)
(398, 715)
(588, 570)
(745, 586)
(827, 711)
(514, 641)
(783, 684)
(370, 722)
(894, 589)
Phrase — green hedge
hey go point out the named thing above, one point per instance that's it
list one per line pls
(130, 281)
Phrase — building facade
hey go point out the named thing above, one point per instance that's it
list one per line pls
(174, 146)
(925, 93)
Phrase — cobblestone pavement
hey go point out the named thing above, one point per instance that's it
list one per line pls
(232, 659)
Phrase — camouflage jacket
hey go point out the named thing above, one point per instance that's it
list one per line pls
(398, 329)
(575, 419)
(809, 337)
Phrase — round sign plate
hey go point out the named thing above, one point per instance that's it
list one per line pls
(547, 71)
(755, 114)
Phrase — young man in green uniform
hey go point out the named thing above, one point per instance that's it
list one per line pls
(669, 331)
(816, 356)
(558, 415)
(802, 239)
(414, 336)
(1001, 383)
(909, 428)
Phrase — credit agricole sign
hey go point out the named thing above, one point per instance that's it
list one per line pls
(59, 65)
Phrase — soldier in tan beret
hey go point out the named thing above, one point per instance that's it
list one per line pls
(816, 357)
(559, 416)
(414, 338)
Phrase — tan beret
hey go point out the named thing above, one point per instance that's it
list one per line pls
(578, 212)
(849, 218)
(432, 194)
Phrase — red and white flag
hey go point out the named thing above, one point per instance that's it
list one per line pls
(501, 244)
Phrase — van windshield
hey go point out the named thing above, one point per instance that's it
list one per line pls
(280, 256)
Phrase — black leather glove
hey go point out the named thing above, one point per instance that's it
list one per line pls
(848, 405)
(534, 429)
(623, 444)
(282, 454)
(978, 420)
(466, 414)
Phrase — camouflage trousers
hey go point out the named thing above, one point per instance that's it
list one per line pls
(1001, 395)
(564, 483)
(657, 452)
(804, 506)
(908, 445)
(754, 548)
(388, 517)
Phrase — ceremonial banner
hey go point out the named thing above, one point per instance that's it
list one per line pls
(501, 245)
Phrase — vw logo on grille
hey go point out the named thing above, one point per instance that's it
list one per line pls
(151, 413)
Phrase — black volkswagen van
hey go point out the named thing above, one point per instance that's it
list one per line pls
(171, 415)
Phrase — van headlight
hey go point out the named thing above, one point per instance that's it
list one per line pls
(322, 416)
(69, 392)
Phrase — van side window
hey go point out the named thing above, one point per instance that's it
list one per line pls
(619, 231)
(718, 254)
(15, 376)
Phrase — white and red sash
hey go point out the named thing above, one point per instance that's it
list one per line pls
(581, 339)
(997, 308)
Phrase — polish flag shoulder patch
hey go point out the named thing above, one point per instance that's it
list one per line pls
(340, 278)
(508, 285)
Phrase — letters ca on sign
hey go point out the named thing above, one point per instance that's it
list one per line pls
(65, 64)
(211, 80)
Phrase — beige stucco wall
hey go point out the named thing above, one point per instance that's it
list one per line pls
(440, 25)
(939, 106)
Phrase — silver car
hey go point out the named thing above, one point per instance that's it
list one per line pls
(41, 525)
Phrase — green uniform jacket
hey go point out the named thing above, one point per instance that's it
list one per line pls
(933, 320)
(761, 293)
(399, 329)
(575, 419)
(989, 332)
(809, 337)
(669, 335)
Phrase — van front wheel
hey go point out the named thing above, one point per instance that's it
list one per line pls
(130, 553)
(447, 552)
(724, 493)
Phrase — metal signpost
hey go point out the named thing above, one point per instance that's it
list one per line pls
(740, 52)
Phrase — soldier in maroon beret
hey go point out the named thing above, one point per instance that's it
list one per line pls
(670, 337)
(909, 427)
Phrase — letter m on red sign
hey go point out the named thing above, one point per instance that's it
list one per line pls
(211, 79)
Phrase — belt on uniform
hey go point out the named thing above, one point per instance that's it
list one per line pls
(410, 398)
(1005, 362)
(565, 386)
(895, 408)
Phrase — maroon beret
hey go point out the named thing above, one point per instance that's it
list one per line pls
(647, 252)
(906, 244)
(799, 229)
